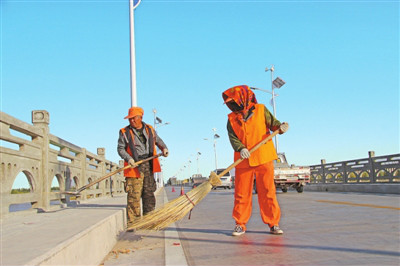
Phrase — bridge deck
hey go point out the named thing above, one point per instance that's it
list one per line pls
(321, 228)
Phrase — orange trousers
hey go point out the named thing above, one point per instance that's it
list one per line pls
(244, 180)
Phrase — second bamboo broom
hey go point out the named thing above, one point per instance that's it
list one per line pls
(176, 209)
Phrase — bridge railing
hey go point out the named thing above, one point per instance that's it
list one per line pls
(41, 157)
(380, 169)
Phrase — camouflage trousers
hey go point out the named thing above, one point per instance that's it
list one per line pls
(141, 188)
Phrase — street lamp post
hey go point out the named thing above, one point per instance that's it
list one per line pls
(132, 5)
(275, 84)
(198, 155)
(189, 162)
(272, 69)
(216, 136)
(157, 121)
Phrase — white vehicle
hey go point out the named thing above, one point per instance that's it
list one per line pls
(226, 179)
(287, 176)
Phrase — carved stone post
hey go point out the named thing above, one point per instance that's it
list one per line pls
(83, 179)
(371, 155)
(101, 152)
(122, 184)
(41, 119)
(323, 162)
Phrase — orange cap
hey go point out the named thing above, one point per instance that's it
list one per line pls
(134, 111)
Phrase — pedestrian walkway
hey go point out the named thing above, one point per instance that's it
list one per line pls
(58, 237)
(149, 247)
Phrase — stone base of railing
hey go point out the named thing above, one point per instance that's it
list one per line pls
(383, 188)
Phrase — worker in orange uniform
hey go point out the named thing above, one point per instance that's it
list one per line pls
(248, 124)
(136, 142)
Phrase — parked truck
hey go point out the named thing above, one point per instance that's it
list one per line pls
(198, 179)
(287, 176)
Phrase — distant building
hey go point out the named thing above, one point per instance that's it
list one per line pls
(172, 181)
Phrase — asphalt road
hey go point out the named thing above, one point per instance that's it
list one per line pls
(320, 228)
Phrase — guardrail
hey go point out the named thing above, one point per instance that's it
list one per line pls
(41, 157)
(381, 169)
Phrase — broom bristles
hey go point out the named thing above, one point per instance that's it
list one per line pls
(172, 211)
(179, 207)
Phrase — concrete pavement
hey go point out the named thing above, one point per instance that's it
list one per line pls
(76, 235)
(87, 233)
(321, 228)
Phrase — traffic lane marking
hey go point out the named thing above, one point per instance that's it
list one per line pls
(358, 204)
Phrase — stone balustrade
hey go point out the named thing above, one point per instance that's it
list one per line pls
(41, 157)
(374, 170)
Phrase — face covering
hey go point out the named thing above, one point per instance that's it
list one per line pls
(234, 107)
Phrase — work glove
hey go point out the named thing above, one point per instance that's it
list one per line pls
(244, 153)
(132, 162)
(165, 152)
(283, 128)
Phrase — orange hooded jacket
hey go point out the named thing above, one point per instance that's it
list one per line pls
(250, 131)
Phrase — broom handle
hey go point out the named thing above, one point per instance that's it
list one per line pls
(238, 161)
(117, 171)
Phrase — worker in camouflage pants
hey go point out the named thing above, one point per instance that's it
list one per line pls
(142, 187)
(137, 142)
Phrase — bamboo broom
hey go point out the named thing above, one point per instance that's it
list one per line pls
(176, 209)
(77, 192)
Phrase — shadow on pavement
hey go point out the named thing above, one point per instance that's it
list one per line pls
(242, 240)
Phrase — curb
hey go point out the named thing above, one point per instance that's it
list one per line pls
(88, 247)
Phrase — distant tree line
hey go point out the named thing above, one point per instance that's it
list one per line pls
(20, 190)
(28, 190)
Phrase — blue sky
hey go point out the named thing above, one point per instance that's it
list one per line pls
(339, 59)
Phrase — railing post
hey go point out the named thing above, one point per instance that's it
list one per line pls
(101, 152)
(83, 179)
(323, 162)
(371, 155)
(122, 183)
(112, 168)
(41, 119)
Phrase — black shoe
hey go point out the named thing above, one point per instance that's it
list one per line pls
(238, 231)
(276, 230)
